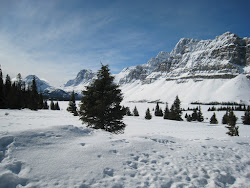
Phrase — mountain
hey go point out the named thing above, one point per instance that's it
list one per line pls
(83, 78)
(196, 70)
(224, 57)
(40, 83)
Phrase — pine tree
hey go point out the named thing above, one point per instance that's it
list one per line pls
(246, 118)
(52, 105)
(40, 101)
(3, 102)
(158, 110)
(135, 112)
(166, 112)
(213, 119)
(100, 107)
(72, 104)
(194, 115)
(57, 106)
(34, 98)
(128, 112)
(175, 110)
(225, 118)
(232, 129)
(45, 105)
(200, 117)
(148, 114)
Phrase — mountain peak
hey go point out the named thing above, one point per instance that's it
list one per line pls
(83, 77)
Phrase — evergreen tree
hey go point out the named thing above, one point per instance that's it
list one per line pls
(225, 118)
(148, 114)
(52, 105)
(72, 104)
(232, 129)
(34, 98)
(3, 102)
(213, 119)
(194, 115)
(200, 117)
(128, 112)
(56, 107)
(158, 110)
(246, 118)
(45, 105)
(135, 112)
(100, 107)
(175, 110)
(166, 112)
(40, 101)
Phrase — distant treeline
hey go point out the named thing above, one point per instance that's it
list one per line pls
(17, 96)
(216, 103)
(230, 108)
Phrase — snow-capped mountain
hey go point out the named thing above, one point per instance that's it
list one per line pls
(83, 78)
(224, 57)
(196, 70)
(41, 84)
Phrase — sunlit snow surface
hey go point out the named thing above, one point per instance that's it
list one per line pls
(53, 149)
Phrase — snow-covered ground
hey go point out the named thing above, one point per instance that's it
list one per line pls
(53, 149)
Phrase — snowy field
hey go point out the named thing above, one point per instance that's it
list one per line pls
(53, 149)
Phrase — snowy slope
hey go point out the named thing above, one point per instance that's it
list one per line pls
(196, 70)
(39, 149)
(206, 90)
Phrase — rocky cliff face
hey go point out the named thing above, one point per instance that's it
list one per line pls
(224, 57)
(83, 77)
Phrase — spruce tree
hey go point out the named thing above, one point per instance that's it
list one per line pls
(194, 115)
(213, 119)
(3, 102)
(158, 110)
(45, 105)
(166, 112)
(148, 114)
(40, 101)
(246, 118)
(225, 118)
(128, 112)
(232, 129)
(175, 111)
(34, 98)
(52, 105)
(72, 104)
(100, 105)
(135, 112)
(57, 106)
(200, 117)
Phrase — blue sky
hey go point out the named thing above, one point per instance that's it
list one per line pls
(55, 39)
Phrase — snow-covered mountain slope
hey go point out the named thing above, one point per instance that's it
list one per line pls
(196, 70)
(41, 84)
(83, 78)
(224, 57)
(203, 90)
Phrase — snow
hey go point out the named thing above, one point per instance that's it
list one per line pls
(53, 149)
(203, 90)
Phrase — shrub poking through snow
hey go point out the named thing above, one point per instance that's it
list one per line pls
(232, 129)
(213, 119)
(148, 114)
(100, 107)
